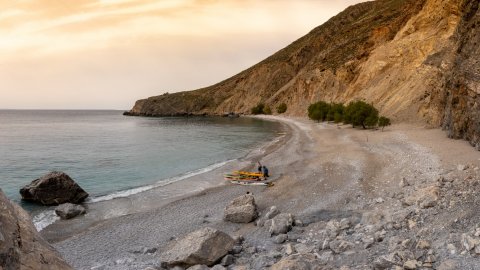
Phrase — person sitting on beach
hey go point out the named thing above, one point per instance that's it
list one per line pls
(259, 167)
(265, 172)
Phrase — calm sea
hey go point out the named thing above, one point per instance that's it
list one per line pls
(109, 154)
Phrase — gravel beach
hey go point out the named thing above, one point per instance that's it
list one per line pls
(320, 172)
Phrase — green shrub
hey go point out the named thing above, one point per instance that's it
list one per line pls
(318, 111)
(267, 110)
(282, 108)
(359, 113)
(336, 112)
(384, 122)
(258, 109)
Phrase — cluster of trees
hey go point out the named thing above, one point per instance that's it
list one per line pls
(265, 109)
(357, 113)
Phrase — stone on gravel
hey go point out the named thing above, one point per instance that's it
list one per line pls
(297, 262)
(425, 197)
(423, 244)
(289, 249)
(227, 260)
(21, 247)
(52, 189)
(236, 249)
(448, 265)
(339, 246)
(69, 210)
(204, 246)
(272, 212)
(241, 210)
(218, 267)
(411, 264)
(281, 224)
(262, 262)
(280, 239)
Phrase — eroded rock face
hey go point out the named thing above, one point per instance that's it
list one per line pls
(204, 246)
(52, 189)
(241, 210)
(21, 247)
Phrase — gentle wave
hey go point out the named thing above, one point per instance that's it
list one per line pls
(164, 182)
(44, 219)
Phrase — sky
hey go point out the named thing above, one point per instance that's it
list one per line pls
(106, 54)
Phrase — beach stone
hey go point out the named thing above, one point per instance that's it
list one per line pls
(227, 260)
(297, 262)
(21, 246)
(279, 239)
(281, 224)
(218, 267)
(52, 189)
(384, 262)
(69, 210)
(241, 210)
(199, 267)
(289, 249)
(204, 246)
(448, 265)
(272, 212)
(339, 246)
(262, 262)
(425, 197)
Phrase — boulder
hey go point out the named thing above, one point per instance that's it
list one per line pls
(297, 262)
(425, 197)
(68, 210)
(21, 247)
(241, 210)
(52, 189)
(204, 246)
(281, 224)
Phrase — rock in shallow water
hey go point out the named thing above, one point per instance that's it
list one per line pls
(204, 246)
(68, 210)
(21, 247)
(52, 189)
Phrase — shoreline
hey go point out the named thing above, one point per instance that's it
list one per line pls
(100, 210)
(325, 173)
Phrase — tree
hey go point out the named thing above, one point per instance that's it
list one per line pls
(267, 110)
(258, 109)
(282, 108)
(384, 122)
(318, 111)
(336, 112)
(359, 113)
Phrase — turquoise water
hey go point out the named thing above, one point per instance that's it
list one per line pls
(107, 153)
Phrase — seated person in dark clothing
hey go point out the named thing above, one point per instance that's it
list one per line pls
(265, 171)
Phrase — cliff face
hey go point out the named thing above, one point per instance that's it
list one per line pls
(416, 60)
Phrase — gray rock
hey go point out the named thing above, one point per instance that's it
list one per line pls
(425, 197)
(68, 210)
(199, 267)
(281, 224)
(218, 267)
(237, 249)
(53, 189)
(241, 210)
(21, 246)
(279, 239)
(448, 265)
(227, 260)
(339, 246)
(272, 212)
(262, 262)
(385, 262)
(289, 249)
(204, 246)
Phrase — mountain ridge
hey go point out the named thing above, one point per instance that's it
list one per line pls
(400, 55)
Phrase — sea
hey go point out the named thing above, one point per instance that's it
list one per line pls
(111, 155)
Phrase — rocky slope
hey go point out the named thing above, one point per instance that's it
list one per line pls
(416, 60)
(20, 245)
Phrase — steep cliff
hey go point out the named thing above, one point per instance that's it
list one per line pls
(416, 60)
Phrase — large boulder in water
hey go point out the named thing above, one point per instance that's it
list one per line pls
(52, 189)
(204, 246)
(21, 247)
(241, 210)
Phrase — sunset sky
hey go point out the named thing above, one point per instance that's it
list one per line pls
(105, 54)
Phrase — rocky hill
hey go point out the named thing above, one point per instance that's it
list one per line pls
(415, 60)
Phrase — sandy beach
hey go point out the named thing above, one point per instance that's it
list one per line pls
(320, 172)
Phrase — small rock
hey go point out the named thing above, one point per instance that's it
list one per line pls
(452, 249)
(448, 265)
(68, 210)
(218, 267)
(289, 249)
(199, 267)
(241, 210)
(272, 212)
(281, 224)
(236, 249)
(339, 246)
(462, 167)
(423, 244)
(469, 242)
(279, 239)
(379, 200)
(411, 264)
(228, 260)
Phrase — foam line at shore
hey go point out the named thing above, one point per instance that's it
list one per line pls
(164, 182)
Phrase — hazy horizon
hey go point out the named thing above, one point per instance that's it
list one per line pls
(106, 54)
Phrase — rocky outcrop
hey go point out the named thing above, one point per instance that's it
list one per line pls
(68, 210)
(241, 210)
(20, 245)
(205, 246)
(52, 189)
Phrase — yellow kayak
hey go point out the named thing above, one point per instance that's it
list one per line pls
(249, 173)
